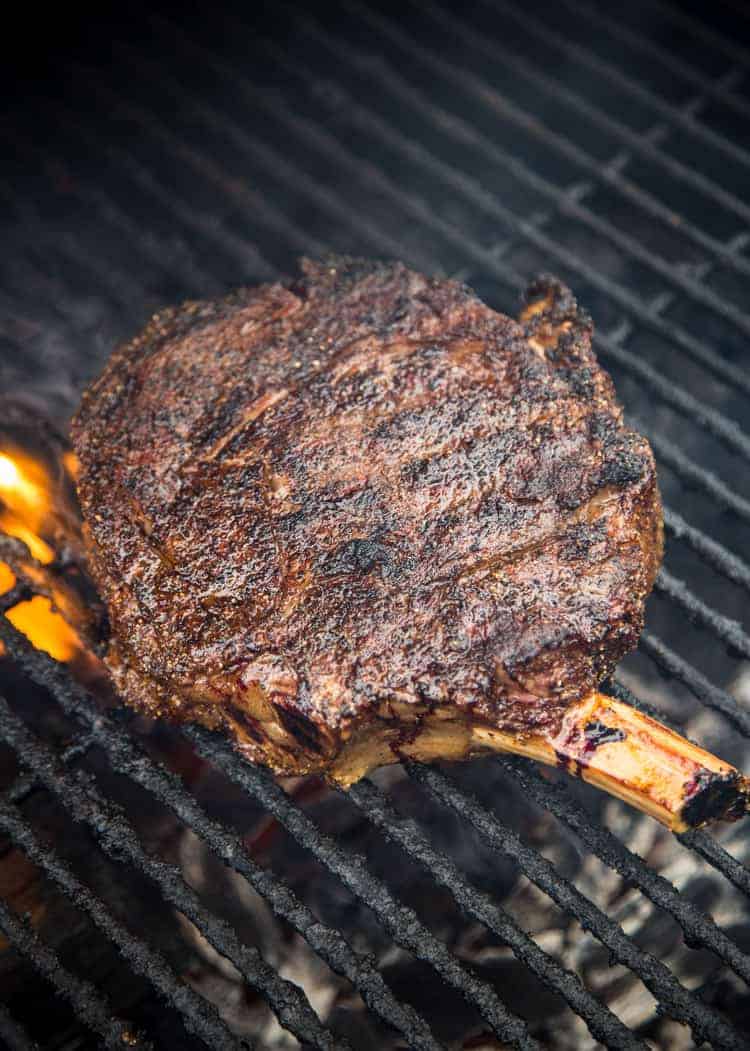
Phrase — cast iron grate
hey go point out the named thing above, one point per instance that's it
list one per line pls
(348, 135)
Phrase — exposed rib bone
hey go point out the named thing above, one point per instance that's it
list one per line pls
(602, 741)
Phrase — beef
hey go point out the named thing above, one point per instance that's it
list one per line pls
(358, 510)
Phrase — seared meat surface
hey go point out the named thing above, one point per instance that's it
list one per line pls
(336, 514)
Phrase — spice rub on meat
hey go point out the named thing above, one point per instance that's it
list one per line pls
(361, 514)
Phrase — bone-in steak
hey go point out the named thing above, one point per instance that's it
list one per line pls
(336, 514)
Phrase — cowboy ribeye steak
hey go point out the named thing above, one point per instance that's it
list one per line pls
(360, 511)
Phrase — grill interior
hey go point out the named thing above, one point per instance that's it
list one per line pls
(159, 157)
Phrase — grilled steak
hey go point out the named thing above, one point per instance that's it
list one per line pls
(359, 513)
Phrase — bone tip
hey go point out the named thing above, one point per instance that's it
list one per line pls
(715, 796)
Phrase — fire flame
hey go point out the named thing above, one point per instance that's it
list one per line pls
(25, 495)
(26, 506)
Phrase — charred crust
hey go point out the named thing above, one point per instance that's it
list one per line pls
(557, 301)
(623, 469)
(303, 730)
(598, 733)
(710, 795)
(373, 476)
(357, 556)
(250, 726)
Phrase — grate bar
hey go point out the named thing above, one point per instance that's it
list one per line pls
(240, 248)
(401, 922)
(568, 203)
(256, 205)
(193, 273)
(14, 1036)
(24, 785)
(348, 110)
(92, 1009)
(701, 31)
(119, 220)
(705, 1023)
(729, 631)
(124, 291)
(327, 942)
(128, 759)
(254, 264)
(232, 243)
(624, 82)
(237, 247)
(128, 301)
(556, 89)
(117, 838)
(267, 157)
(698, 928)
(665, 58)
(58, 319)
(201, 1018)
(692, 474)
(716, 555)
(603, 1024)
(710, 695)
(619, 690)
(718, 858)
(27, 274)
(710, 419)
(609, 175)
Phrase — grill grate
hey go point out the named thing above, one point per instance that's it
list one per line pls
(308, 131)
(319, 137)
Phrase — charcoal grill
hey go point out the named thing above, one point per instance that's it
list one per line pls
(159, 157)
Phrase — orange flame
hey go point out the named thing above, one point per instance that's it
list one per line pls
(44, 628)
(7, 578)
(26, 503)
(71, 463)
(24, 494)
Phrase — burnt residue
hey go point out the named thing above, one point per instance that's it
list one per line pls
(711, 795)
(597, 733)
(303, 730)
(576, 751)
(583, 541)
(623, 468)
(360, 555)
(249, 725)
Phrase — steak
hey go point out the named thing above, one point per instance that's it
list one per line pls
(360, 497)
(358, 516)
